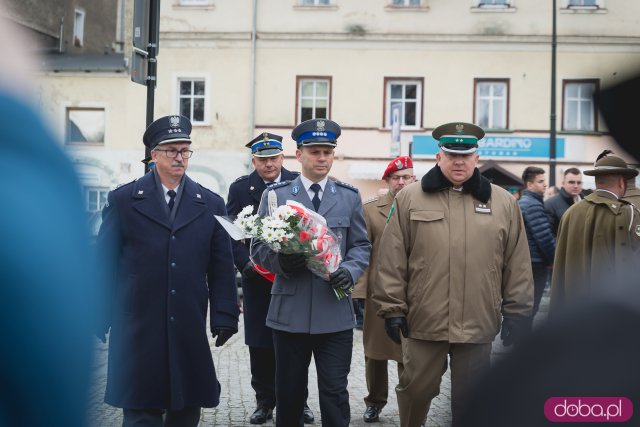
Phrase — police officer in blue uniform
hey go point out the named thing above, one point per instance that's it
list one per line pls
(266, 150)
(169, 259)
(305, 315)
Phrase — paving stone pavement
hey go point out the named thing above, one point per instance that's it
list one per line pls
(238, 402)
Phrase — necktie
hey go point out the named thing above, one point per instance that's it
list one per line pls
(316, 199)
(172, 199)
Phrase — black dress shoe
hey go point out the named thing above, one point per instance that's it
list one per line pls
(261, 415)
(308, 415)
(372, 414)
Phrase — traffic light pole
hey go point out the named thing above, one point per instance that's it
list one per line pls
(552, 125)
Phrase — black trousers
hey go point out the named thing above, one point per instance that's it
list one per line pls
(332, 355)
(186, 417)
(263, 375)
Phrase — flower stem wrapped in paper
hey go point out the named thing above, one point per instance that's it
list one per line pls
(294, 229)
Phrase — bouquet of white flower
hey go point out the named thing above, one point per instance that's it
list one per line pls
(292, 228)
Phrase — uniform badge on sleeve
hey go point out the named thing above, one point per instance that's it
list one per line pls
(482, 208)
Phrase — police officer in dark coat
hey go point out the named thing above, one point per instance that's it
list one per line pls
(170, 260)
(256, 290)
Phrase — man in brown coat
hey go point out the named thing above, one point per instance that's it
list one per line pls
(378, 348)
(598, 238)
(455, 266)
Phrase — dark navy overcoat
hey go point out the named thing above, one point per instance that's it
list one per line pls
(165, 276)
(246, 191)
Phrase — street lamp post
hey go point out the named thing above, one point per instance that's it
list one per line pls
(552, 130)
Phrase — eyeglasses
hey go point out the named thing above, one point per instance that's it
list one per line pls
(574, 182)
(399, 177)
(172, 153)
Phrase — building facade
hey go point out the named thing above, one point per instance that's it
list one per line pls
(239, 68)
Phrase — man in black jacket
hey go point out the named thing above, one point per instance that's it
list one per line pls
(570, 193)
(542, 243)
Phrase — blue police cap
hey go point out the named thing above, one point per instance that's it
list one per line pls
(316, 132)
(458, 137)
(265, 145)
(167, 130)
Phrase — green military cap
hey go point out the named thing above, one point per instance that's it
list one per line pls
(458, 137)
(610, 165)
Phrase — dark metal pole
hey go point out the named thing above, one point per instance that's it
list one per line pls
(154, 6)
(552, 131)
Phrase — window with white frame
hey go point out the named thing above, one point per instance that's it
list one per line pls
(582, 3)
(84, 125)
(579, 112)
(406, 3)
(407, 93)
(314, 2)
(191, 99)
(314, 97)
(95, 198)
(78, 28)
(491, 103)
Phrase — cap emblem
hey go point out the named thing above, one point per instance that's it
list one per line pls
(320, 125)
(265, 136)
(174, 121)
(459, 128)
(398, 164)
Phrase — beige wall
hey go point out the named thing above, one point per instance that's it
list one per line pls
(446, 43)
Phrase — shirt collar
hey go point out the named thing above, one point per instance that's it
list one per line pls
(306, 182)
(278, 179)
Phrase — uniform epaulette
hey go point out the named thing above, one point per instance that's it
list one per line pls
(124, 184)
(241, 178)
(345, 185)
(279, 184)
(371, 200)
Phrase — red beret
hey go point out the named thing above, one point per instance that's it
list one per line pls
(398, 164)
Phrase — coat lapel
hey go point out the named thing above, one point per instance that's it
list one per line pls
(384, 205)
(329, 197)
(192, 204)
(256, 187)
(148, 202)
(297, 193)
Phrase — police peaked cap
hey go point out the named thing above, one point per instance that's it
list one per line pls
(265, 145)
(458, 137)
(167, 130)
(316, 132)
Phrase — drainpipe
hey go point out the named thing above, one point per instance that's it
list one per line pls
(61, 36)
(252, 91)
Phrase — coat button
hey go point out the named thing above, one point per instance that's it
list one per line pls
(173, 265)
(172, 319)
(173, 292)
(173, 237)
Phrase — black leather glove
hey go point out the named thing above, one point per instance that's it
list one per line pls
(341, 280)
(249, 273)
(394, 325)
(291, 263)
(514, 330)
(223, 335)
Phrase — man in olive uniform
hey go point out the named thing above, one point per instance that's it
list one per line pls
(267, 157)
(378, 348)
(456, 265)
(306, 317)
(598, 238)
